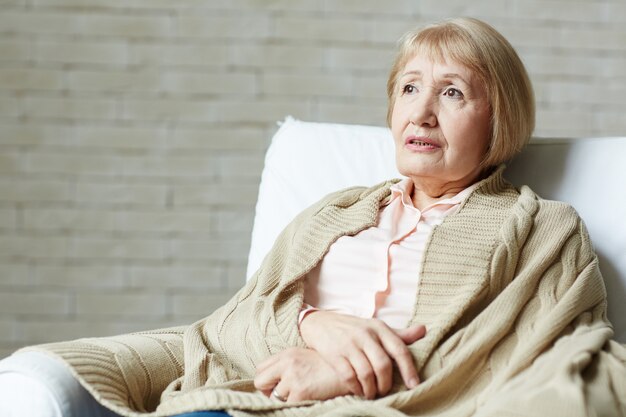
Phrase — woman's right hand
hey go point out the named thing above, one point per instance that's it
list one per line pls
(362, 351)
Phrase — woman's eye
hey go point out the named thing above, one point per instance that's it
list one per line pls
(453, 93)
(409, 89)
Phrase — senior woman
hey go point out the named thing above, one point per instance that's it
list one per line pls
(449, 293)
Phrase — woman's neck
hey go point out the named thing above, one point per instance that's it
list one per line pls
(426, 193)
(422, 199)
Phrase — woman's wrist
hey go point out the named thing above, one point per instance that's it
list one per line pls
(308, 329)
(305, 311)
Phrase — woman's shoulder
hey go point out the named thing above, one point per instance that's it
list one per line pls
(555, 222)
(520, 211)
(523, 198)
(558, 210)
(346, 197)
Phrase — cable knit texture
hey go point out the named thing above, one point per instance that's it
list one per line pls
(510, 292)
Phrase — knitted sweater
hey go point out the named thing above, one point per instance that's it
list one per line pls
(510, 292)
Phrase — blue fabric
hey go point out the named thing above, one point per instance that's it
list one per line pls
(204, 414)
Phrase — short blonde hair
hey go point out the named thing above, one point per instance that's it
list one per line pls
(482, 49)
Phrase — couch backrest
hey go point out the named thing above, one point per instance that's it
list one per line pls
(309, 160)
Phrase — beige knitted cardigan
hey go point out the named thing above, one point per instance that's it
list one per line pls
(510, 292)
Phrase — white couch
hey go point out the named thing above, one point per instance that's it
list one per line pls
(308, 160)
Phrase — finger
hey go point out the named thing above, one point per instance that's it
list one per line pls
(280, 392)
(364, 372)
(399, 352)
(382, 366)
(347, 374)
(266, 380)
(411, 334)
(271, 361)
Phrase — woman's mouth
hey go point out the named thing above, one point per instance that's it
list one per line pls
(420, 143)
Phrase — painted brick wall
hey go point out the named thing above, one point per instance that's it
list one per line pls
(132, 133)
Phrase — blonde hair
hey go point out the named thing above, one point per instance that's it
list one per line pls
(482, 49)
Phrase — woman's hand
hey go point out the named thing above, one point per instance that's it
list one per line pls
(299, 374)
(362, 351)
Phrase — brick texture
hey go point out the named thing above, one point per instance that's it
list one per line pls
(132, 133)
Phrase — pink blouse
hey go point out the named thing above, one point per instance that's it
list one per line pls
(375, 273)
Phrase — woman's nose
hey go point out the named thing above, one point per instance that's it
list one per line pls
(424, 112)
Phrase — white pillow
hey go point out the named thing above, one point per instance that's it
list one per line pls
(306, 161)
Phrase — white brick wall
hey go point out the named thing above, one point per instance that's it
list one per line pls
(132, 133)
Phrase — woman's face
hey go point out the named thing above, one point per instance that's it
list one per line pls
(440, 123)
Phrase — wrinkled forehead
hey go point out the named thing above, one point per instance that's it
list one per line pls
(443, 52)
(419, 65)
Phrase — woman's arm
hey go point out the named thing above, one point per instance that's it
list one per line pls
(355, 357)
(299, 374)
(362, 351)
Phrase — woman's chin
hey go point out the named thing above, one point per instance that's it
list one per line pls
(419, 170)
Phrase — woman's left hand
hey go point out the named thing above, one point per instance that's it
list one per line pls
(299, 374)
